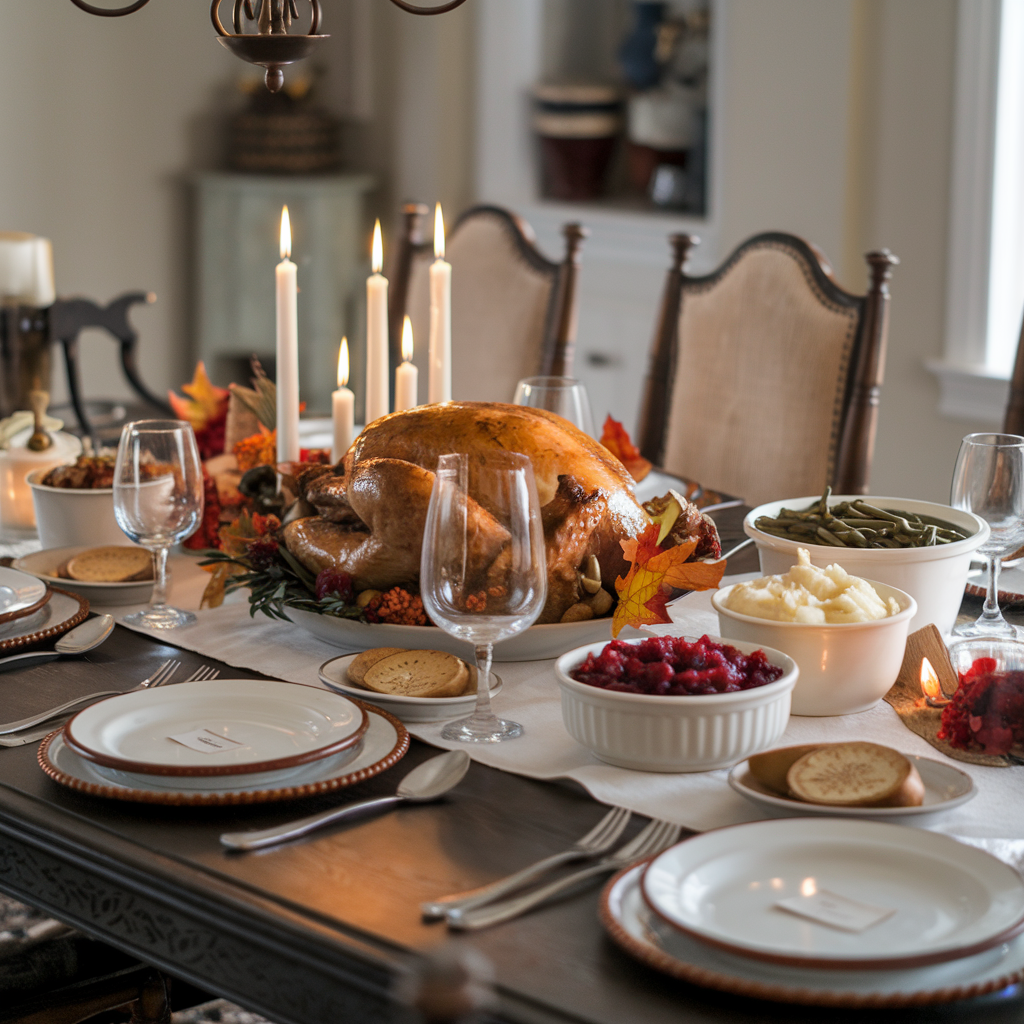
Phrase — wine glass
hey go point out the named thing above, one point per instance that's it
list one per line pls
(989, 481)
(565, 396)
(158, 500)
(483, 571)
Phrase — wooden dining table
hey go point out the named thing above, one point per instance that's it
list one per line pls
(322, 930)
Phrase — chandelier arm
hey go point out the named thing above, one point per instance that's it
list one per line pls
(110, 12)
(314, 23)
(236, 16)
(214, 17)
(416, 9)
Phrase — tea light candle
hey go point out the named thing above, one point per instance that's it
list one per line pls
(17, 510)
(930, 686)
(376, 334)
(343, 404)
(287, 349)
(406, 376)
(440, 377)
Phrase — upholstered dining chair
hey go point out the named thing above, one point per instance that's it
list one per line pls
(765, 376)
(513, 309)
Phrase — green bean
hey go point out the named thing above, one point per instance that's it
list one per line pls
(830, 538)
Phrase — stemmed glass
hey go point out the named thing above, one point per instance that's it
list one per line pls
(565, 396)
(158, 500)
(483, 572)
(989, 481)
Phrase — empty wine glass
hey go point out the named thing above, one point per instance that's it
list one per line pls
(483, 571)
(989, 481)
(158, 501)
(565, 396)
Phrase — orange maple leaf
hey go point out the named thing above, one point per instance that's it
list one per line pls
(654, 573)
(615, 438)
(205, 400)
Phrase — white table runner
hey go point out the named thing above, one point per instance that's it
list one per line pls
(546, 751)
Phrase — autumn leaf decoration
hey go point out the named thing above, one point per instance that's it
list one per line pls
(615, 438)
(654, 574)
(206, 408)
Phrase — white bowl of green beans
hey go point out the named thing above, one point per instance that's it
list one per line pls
(919, 547)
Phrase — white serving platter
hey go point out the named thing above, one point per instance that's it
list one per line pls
(946, 900)
(945, 787)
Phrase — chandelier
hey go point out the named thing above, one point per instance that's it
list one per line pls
(270, 45)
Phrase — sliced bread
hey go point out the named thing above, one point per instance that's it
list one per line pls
(855, 775)
(770, 768)
(362, 662)
(111, 565)
(418, 674)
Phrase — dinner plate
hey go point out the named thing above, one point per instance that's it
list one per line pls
(538, 643)
(1011, 584)
(641, 933)
(216, 727)
(43, 565)
(62, 612)
(915, 897)
(20, 594)
(945, 787)
(334, 673)
(383, 745)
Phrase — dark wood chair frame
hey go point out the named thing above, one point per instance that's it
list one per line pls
(1013, 420)
(859, 418)
(559, 341)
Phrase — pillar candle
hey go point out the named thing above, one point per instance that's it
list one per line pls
(440, 379)
(376, 334)
(287, 350)
(406, 376)
(343, 404)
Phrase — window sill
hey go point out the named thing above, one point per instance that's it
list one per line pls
(970, 392)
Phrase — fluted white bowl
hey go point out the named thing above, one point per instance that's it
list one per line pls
(675, 734)
(845, 667)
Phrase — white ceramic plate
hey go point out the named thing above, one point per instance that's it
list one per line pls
(334, 673)
(538, 643)
(1011, 584)
(61, 613)
(19, 592)
(632, 924)
(945, 787)
(270, 725)
(384, 744)
(948, 900)
(43, 564)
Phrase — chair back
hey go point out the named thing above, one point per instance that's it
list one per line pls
(513, 310)
(1013, 420)
(765, 375)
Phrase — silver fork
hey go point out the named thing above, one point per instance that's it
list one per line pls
(162, 675)
(599, 839)
(653, 839)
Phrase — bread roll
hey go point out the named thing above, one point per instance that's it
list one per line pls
(771, 766)
(362, 662)
(111, 565)
(854, 775)
(418, 674)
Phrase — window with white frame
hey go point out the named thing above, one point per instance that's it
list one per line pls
(985, 293)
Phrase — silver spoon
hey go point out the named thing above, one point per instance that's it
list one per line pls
(424, 783)
(85, 637)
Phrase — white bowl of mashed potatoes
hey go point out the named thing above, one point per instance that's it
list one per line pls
(846, 634)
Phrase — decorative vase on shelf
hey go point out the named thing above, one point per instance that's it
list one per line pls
(638, 53)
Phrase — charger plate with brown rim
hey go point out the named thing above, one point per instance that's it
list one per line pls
(384, 744)
(1011, 585)
(21, 594)
(641, 933)
(282, 725)
(62, 612)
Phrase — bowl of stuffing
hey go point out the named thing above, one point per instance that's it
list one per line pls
(675, 704)
(75, 503)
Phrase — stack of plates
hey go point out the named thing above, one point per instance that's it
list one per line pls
(31, 612)
(825, 912)
(222, 741)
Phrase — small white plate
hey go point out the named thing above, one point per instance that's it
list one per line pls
(19, 593)
(334, 673)
(61, 613)
(642, 934)
(276, 725)
(384, 744)
(945, 787)
(43, 565)
(948, 900)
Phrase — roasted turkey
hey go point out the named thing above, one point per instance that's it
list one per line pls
(372, 506)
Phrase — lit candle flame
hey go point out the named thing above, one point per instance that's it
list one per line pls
(286, 234)
(438, 233)
(378, 249)
(343, 363)
(407, 340)
(808, 887)
(930, 681)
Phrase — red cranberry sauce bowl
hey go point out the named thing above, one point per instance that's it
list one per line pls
(667, 666)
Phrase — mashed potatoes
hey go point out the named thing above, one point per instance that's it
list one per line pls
(809, 594)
